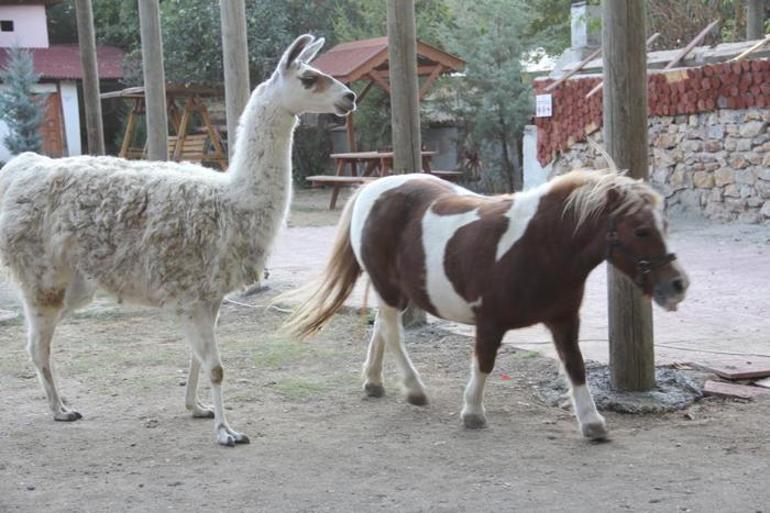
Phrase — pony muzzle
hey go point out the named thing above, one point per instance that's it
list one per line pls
(671, 288)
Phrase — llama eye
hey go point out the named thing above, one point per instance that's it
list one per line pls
(308, 82)
(642, 233)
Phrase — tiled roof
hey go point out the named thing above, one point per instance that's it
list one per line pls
(63, 62)
(343, 59)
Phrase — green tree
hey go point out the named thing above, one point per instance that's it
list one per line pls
(494, 99)
(19, 108)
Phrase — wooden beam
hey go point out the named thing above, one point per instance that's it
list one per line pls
(426, 85)
(755, 19)
(687, 49)
(365, 91)
(88, 61)
(375, 75)
(580, 65)
(759, 44)
(632, 356)
(598, 86)
(236, 64)
(154, 80)
(351, 131)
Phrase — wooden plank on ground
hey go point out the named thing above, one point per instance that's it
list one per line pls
(722, 389)
(738, 368)
(764, 383)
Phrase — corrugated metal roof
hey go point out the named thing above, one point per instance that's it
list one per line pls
(63, 62)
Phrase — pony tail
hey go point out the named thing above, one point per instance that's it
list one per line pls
(323, 297)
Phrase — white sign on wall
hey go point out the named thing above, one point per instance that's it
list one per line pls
(543, 106)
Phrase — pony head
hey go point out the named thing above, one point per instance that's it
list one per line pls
(306, 89)
(636, 242)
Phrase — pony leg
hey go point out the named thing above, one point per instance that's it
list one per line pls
(373, 365)
(390, 324)
(192, 402)
(198, 327)
(41, 324)
(565, 337)
(483, 361)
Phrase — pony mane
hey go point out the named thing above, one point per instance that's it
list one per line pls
(590, 194)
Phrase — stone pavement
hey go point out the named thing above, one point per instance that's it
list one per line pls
(726, 314)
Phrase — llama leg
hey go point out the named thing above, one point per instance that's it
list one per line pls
(192, 402)
(41, 323)
(198, 325)
(373, 366)
(390, 322)
(483, 361)
(565, 337)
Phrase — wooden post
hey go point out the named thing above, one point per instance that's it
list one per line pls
(632, 357)
(755, 19)
(235, 51)
(404, 96)
(154, 80)
(93, 104)
(404, 104)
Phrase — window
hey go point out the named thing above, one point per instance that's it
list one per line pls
(6, 25)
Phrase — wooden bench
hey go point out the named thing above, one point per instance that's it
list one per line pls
(450, 176)
(194, 150)
(336, 182)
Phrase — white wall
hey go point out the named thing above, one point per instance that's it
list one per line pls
(30, 29)
(71, 110)
(534, 173)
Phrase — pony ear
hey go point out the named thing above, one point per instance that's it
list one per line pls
(614, 196)
(294, 50)
(310, 51)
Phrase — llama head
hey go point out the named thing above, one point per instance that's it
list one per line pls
(306, 89)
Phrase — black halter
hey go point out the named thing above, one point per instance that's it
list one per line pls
(643, 265)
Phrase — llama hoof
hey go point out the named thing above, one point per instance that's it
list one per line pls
(201, 411)
(374, 390)
(228, 437)
(67, 416)
(474, 421)
(594, 430)
(417, 398)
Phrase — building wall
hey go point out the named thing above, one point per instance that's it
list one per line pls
(716, 164)
(30, 29)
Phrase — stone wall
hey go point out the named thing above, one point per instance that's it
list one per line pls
(714, 163)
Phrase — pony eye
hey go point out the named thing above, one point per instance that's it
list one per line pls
(642, 233)
(308, 81)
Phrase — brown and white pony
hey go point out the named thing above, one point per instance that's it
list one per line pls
(500, 263)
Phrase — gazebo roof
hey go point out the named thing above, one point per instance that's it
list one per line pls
(354, 60)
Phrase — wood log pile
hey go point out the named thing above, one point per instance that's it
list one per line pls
(730, 85)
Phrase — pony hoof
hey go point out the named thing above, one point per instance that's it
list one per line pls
(374, 390)
(67, 416)
(474, 421)
(417, 398)
(594, 431)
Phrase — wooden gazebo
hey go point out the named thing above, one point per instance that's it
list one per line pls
(368, 60)
(182, 103)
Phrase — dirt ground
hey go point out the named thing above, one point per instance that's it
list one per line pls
(318, 445)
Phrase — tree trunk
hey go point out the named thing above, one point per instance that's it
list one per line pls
(755, 19)
(632, 358)
(91, 99)
(154, 80)
(405, 104)
(236, 63)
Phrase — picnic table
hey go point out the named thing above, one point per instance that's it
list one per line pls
(364, 166)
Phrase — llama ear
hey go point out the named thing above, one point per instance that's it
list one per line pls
(310, 51)
(295, 49)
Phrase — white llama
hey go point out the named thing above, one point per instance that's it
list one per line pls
(172, 235)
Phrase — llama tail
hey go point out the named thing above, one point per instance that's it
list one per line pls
(323, 297)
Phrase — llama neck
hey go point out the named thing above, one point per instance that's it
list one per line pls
(260, 172)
